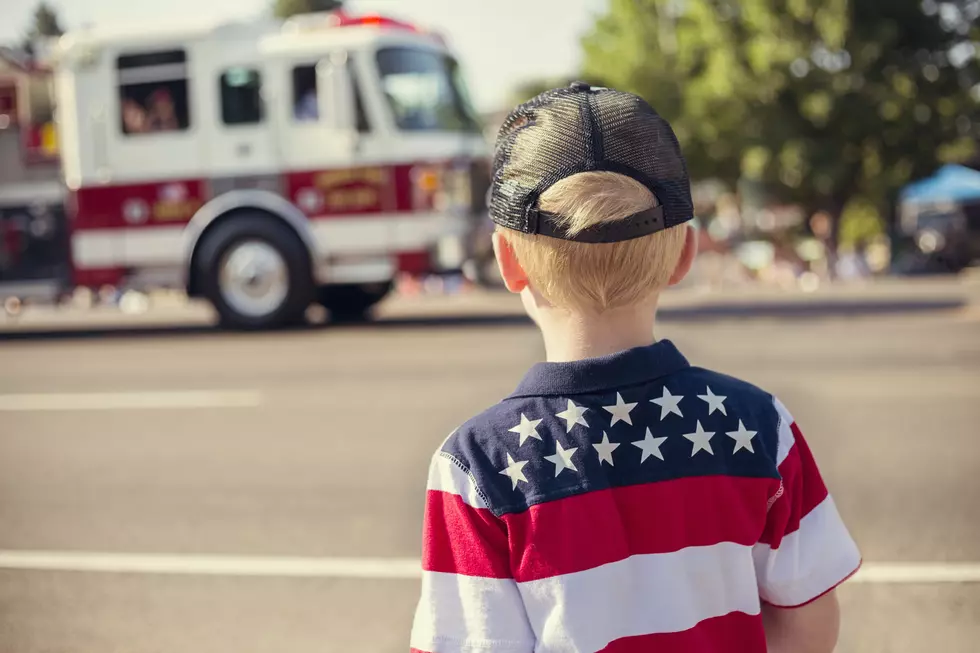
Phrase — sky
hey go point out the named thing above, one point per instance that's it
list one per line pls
(500, 43)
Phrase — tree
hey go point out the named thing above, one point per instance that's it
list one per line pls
(825, 102)
(44, 25)
(45, 22)
(286, 8)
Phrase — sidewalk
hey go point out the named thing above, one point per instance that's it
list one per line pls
(877, 297)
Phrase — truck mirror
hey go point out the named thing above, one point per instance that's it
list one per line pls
(335, 96)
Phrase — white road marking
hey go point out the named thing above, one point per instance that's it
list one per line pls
(130, 400)
(919, 572)
(213, 565)
(377, 568)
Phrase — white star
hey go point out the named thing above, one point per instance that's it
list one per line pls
(605, 449)
(514, 470)
(573, 416)
(743, 438)
(620, 411)
(528, 428)
(701, 440)
(668, 404)
(715, 402)
(650, 446)
(562, 458)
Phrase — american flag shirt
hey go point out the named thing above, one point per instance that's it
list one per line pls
(625, 503)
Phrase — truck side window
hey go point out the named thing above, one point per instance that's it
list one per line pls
(305, 107)
(153, 94)
(241, 96)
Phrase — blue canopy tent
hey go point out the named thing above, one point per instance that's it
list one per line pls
(951, 183)
(942, 213)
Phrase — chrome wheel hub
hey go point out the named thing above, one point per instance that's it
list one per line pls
(253, 278)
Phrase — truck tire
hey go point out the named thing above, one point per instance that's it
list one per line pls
(256, 272)
(352, 302)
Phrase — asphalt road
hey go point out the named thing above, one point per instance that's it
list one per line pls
(172, 440)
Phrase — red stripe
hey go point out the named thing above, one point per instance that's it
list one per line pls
(171, 202)
(96, 277)
(460, 539)
(803, 490)
(735, 632)
(814, 491)
(595, 528)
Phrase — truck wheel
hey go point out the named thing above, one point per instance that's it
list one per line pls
(351, 302)
(256, 272)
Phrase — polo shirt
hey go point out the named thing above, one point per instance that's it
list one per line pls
(626, 503)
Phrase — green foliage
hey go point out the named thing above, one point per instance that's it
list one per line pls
(823, 101)
(287, 8)
(860, 221)
(45, 22)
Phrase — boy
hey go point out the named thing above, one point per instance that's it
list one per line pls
(620, 500)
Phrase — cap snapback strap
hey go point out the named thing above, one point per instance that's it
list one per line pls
(633, 226)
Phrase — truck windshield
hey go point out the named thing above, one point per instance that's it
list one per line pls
(425, 91)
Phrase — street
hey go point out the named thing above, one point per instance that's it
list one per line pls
(173, 442)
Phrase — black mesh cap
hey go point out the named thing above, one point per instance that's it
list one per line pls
(581, 128)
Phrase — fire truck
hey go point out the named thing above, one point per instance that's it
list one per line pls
(261, 166)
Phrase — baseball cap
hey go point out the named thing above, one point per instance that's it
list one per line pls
(582, 128)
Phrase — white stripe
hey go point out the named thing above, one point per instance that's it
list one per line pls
(27, 192)
(382, 232)
(454, 611)
(102, 248)
(154, 245)
(381, 568)
(164, 245)
(447, 476)
(641, 595)
(809, 561)
(385, 568)
(786, 438)
(97, 248)
(130, 400)
(377, 270)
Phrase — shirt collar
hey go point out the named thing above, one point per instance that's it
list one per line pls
(630, 367)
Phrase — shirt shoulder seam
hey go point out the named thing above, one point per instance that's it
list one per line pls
(781, 490)
(466, 470)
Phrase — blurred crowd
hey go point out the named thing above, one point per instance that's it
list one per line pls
(782, 247)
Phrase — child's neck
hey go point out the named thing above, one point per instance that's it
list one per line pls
(572, 336)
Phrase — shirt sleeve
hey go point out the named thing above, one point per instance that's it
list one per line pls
(805, 551)
(470, 601)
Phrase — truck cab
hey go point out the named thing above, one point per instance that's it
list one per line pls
(265, 166)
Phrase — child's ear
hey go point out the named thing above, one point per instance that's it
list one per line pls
(686, 259)
(515, 279)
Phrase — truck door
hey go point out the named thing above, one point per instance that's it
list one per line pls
(242, 149)
(318, 131)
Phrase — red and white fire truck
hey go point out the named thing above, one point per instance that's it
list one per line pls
(266, 166)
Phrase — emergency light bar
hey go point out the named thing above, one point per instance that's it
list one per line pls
(374, 20)
(328, 20)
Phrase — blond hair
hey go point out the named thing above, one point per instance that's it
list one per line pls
(596, 277)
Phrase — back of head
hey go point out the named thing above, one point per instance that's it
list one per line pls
(591, 191)
(597, 276)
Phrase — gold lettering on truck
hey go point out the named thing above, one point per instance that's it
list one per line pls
(351, 189)
(164, 211)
